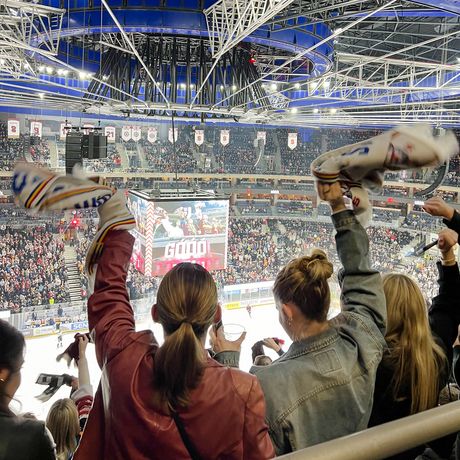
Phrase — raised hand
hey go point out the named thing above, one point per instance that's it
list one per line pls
(436, 206)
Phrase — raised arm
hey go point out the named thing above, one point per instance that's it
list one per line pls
(111, 318)
(436, 206)
(444, 313)
(362, 288)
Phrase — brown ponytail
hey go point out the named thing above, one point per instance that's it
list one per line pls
(303, 281)
(186, 305)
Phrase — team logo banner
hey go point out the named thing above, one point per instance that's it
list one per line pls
(262, 135)
(224, 137)
(136, 133)
(36, 128)
(13, 129)
(126, 133)
(199, 137)
(292, 140)
(65, 128)
(152, 135)
(170, 135)
(109, 131)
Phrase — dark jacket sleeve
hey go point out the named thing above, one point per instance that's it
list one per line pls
(44, 444)
(454, 223)
(111, 318)
(444, 313)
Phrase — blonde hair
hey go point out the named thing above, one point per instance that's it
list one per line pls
(186, 306)
(417, 359)
(63, 422)
(303, 281)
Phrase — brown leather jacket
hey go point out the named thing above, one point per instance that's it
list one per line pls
(225, 419)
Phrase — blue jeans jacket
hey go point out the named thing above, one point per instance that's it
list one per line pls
(322, 387)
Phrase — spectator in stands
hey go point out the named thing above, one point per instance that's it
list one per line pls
(168, 401)
(67, 417)
(327, 375)
(21, 438)
(415, 366)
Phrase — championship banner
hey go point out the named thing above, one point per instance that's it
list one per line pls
(13, 129)
(292, 140)
(199, 137)
(126, 133)
(152, 135)
(87, 128)
(262, 135)
(36, 128)
(224, 137)
(136, 133)
(65, 128)
(170, 134)
(109, 131)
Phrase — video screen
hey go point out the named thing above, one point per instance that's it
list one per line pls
(171, 232)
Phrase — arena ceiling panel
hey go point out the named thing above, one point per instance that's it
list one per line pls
(283, 62)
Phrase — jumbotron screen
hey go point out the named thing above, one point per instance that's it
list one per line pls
(171, 232)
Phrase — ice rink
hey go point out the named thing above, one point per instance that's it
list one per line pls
(41, 355)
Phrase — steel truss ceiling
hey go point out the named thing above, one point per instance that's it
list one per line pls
(394, 61)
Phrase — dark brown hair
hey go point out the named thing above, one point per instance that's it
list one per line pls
(186, 305)
(303, 282)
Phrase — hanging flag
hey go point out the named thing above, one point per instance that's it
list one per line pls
(126, 133)
(13, 129)
(87, 128)
(136, 133)
(65, 128)
(152, 135)
(109, 131)
(224, 137)
(262, 135)
(36, 129)
(292, 140)
(170, 134)
(199, 136)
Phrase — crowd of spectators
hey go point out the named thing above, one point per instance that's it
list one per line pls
(11, 150)
(32, 269)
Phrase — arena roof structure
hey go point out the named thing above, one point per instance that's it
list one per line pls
(281, 62)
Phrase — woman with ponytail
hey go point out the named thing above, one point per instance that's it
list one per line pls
(322, 387)
(168, 402)
(21, 438)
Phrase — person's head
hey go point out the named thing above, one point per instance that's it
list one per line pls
(262, 360)
(186, 306)
(12, 346)
(63, 422)
(301, 291)
(418, 360)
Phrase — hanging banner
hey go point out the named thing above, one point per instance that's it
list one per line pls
(136, 133)
(65, 128)
(224, 137)
(199, 136)
(170, 134)
(87, 128)
(126, 133)
(36, 129)
(109, 131)
(292, 140)
(152, 135)
(13, 129)
(262, 135)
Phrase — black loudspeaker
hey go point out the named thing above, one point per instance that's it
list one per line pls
(73, 150)
(78, 146)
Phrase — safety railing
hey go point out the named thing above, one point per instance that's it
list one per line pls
(388, 439)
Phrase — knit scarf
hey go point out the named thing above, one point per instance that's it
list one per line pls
(360, 167)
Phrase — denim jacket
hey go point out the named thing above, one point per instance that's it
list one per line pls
(322, 387)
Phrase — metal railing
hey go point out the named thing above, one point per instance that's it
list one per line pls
(388, 439)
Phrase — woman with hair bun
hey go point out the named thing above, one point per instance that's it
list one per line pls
(322, 387)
